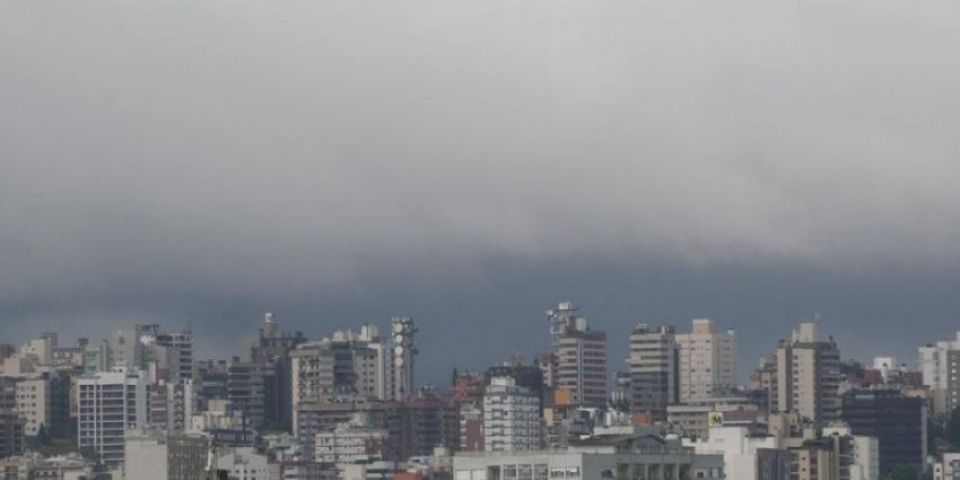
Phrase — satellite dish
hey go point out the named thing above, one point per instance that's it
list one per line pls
(400, 361)
(397, 327)
(398, 350)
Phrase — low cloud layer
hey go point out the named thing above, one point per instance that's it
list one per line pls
(191, 160)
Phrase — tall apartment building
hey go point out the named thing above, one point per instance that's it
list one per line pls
(708, 363)
(947, 398)
(273, 347)
(170, 406)
(360, 363)
(511, 416)
(940, 368)
(527, 376)
(108, 404)
(177, 348)
(34, 404)
(808, 375)
(347, 364)
(581, 356)
(654, 370)
(312, 380)
(763, 382)
(42, 399)
(933, 362)
(252, 389)
(212, 377)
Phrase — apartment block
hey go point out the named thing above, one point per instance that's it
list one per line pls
(708, 365)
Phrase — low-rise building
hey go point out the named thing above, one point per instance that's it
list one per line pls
(14, 468)
(741, 452)
(644, 456)
(695, 418)
(947, 467)
(245, 464)
(356, 441)
(154, 455)
(67, 467)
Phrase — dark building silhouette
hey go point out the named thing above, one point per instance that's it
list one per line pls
(897, 421)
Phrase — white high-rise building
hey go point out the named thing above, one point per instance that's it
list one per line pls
(708, 361)
(934, 362)
(109, 403)
(511, 416)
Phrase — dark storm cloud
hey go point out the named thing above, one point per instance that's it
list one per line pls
(470, 162)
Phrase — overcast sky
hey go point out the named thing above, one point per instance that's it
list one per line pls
(472, 162)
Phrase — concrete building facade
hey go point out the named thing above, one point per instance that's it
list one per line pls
(708, 364)
(580, 356)
(808, 375)
(654, 370)
(110, 403)
(511, 416)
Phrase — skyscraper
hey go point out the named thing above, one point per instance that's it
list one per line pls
(272, 349)
(808, 375)
(178, 350)
(708, 365)
(654, 370)
(581, 356)
(108, 404)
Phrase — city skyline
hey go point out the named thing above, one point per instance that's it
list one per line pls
(209, 169)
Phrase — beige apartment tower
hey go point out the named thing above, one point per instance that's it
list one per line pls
(808, 375)
(708, 361)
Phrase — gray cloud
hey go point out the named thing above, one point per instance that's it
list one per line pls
(189, 160)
